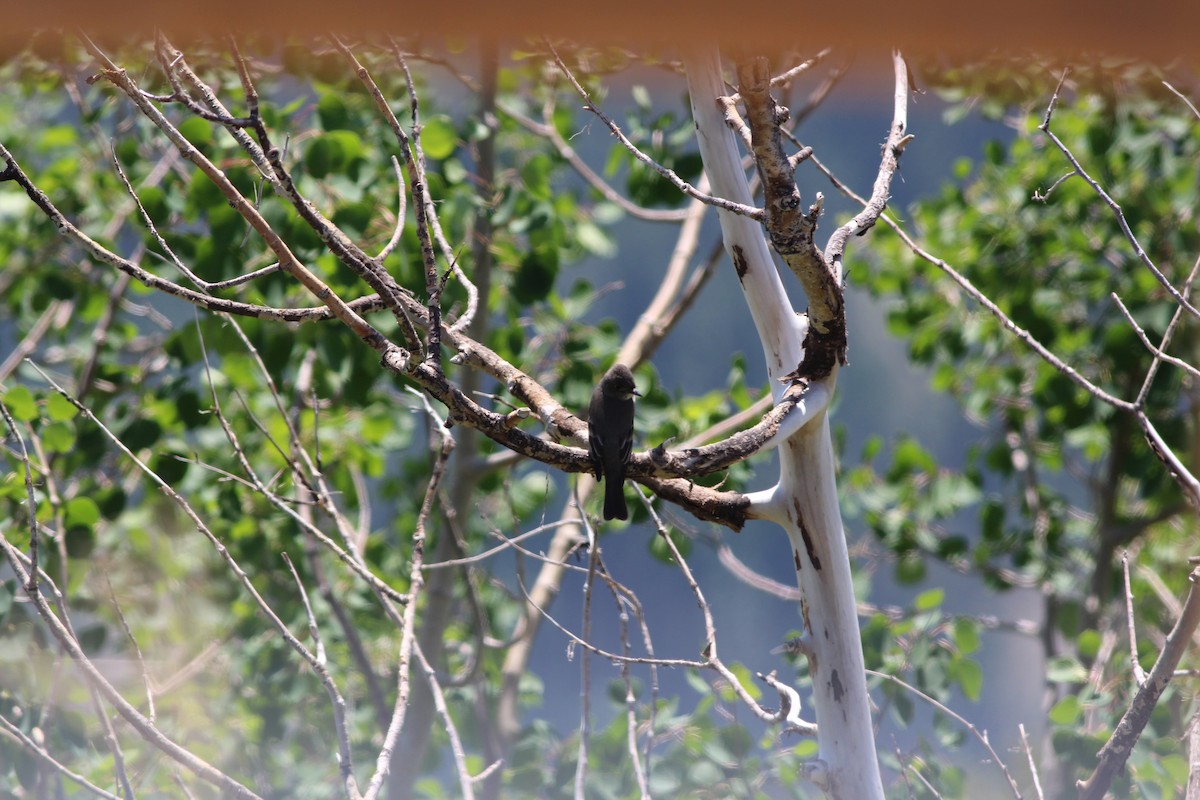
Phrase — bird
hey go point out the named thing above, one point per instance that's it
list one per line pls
(610, 435)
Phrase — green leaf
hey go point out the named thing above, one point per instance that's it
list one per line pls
(322, 157)
(872, 447)
(966, 635)
(535, 174)
(910, 569)
(659, 548)
(111, 501)
(530, 492)
(736, 740)
(697, 682)
(197, 131)
(438, 137)
(350, 146)
(21, 403)
(58, 437)
(1176, 767)
(929, 599)
(534, 278)
(82, 511)
(910, 456)
(991, 521)
(58, 136)
(1088, 643)
(454, 171)
(332, 111)
(141, 433)
(951, 492)
(641, 96)
(170, 467)
(1066, 711)
(806, 748)
(969, 677)
(595, 240)
(705, 773)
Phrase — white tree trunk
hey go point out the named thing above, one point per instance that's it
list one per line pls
(804, 502)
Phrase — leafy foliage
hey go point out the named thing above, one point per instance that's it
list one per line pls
(1060, 484)
(178, 387)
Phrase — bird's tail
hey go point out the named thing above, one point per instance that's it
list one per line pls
(614, 500)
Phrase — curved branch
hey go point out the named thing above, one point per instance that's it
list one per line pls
(789, 226)
(792, 228)
(897, 140)
(776, 425)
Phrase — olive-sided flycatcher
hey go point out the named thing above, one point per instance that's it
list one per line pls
(610, 435)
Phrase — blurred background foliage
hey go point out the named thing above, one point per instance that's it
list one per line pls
(1057, 487)
(1061, 486)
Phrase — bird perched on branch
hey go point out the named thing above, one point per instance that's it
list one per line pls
(610, 435)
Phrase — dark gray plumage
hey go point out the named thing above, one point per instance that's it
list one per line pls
(610, 435)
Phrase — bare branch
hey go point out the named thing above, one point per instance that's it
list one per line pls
(1139, 675)
(898, 138)
(709, 651)
(585, 683)
(547, 130)
(784, 79)
(1033, 770)
(789, 706)
(1154, 349)
(1182, 475)
(466, 782)
(1116, 750)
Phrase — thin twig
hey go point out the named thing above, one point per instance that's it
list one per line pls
(979, 735)
(1033, 770)
(585, 679)
(1149, 345)
(1139, 675)
(709, 650)
(137, 650)
(349, 557)
(676, 181)
(1184, 98)
(784, 79)
(466, 782)
(1016, 330)
(547, 130)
